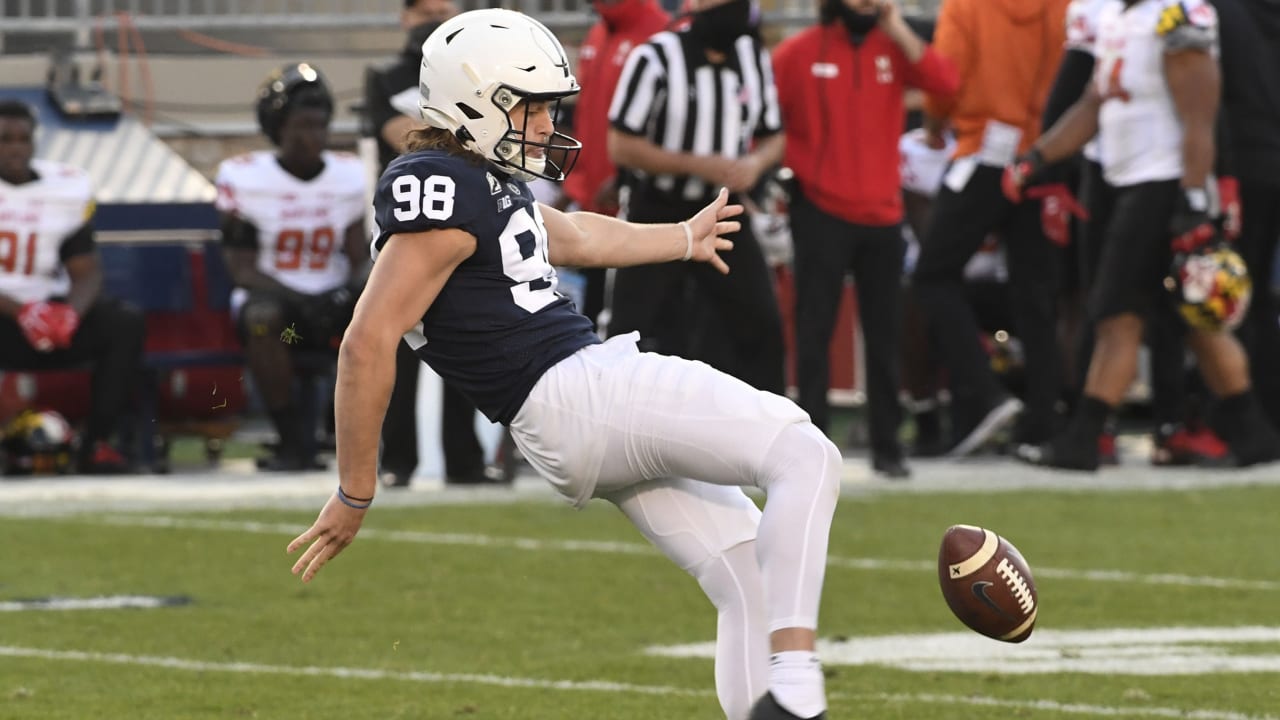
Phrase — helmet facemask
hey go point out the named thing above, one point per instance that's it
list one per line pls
(554, 158)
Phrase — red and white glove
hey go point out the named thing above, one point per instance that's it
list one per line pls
(48, 325)
(1232, 211)
(63, 322)
(35, 320)
(1057, 205)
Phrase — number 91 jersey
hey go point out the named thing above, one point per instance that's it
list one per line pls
(499, 322)
(301, 223)
(37, 219)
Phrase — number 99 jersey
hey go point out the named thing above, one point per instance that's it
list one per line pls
(301, 223)
(499, 321)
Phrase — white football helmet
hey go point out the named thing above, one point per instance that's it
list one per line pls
(479, 65)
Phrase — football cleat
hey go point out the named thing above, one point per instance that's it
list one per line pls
(766, 708)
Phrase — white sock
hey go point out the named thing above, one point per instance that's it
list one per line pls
(795, 679)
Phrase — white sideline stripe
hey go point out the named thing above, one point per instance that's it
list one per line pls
(1071, 708)
(625, 548)
(173, 663)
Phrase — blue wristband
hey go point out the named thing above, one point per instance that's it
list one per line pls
(346, 499)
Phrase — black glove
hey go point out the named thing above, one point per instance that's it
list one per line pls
(1020, 174)
(1192, 225)
(332, 313)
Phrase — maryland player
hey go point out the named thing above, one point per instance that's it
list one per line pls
(1153, 102)
(465, 273)
(52, 314)
(293, 238)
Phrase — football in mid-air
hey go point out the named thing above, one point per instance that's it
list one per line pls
(987, 583)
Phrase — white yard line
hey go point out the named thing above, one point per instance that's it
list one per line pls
(173, 663)
(624, 548)
(183, 664)
(1070, 708)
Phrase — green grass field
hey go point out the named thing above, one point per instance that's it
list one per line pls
(532, 610)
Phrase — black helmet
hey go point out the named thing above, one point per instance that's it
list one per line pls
(287, 87)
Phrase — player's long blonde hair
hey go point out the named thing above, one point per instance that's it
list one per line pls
(434, 138)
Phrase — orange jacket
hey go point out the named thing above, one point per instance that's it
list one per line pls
(1007, 52)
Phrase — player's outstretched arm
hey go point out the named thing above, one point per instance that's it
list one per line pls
(584, 239)
(405, 280)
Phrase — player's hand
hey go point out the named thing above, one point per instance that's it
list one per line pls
(332, 532)
(708, 227)
(63, 322)
(1192, 225)
(36, 321)
(1057, 205)
(1232, 212)
(1020, 174)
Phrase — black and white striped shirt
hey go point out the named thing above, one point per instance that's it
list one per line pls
(672, 96)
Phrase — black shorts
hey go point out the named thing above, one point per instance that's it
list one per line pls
(312, 323)
(1135, 256)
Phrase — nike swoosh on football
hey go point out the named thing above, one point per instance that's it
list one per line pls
(980, 589)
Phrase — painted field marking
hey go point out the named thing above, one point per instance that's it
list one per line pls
(174, 663)
(1071, 708)
(1160, 651)
(628, 548)
(182, 664)
(101, 602)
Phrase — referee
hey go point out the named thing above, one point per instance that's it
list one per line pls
(693, 111)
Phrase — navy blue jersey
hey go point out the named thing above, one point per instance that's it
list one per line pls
(499, 322)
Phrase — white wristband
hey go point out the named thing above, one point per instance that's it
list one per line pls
(688, 240)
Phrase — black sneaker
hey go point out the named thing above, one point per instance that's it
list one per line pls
(1061, 454)
(766, 708)
(891, 468)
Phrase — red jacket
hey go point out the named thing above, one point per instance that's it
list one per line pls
(622, 26)
(842, 112)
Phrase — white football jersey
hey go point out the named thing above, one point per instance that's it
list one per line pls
(1082, 35)
(301, 223)
(1138, 127)
(35, 219)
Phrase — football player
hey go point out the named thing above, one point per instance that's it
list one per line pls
(1176, 440)
(292, 231)
(464, 272)
(1152, 103)
(52, 313)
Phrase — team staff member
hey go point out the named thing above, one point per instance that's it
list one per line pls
(1007, 52)
(593, 186)
(694, 110)
(840, 87)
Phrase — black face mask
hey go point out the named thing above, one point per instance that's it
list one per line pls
(855, 22)
(417, 35)
(717, 27)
